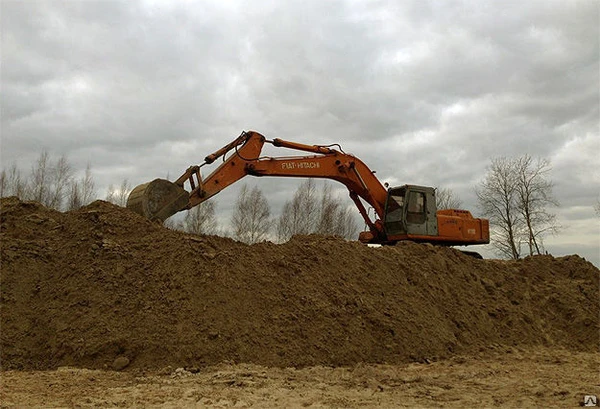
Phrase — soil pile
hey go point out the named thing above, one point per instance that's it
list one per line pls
(102, 285)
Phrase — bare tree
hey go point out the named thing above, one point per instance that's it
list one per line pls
(119, 195)
(201, 219)
(251, 220)
(597, 207)
(40, 178)
(87, 186)
(74, 197)
(335, 218)
(111, 194)
(515, 195)
(534, 196)
(13, 183)
(347, 226)
(445, 199)
(3, 183)
(49, 182)
(329, 212)
(497, 195)
(301, 214)
(61, 175)
(81, 192)
(285, 224)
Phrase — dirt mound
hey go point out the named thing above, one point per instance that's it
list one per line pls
(87, 287)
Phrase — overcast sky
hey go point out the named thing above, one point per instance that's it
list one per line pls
(424, 92)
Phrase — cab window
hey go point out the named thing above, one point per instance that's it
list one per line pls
(415, 211)
(394, 212)
(396, 202)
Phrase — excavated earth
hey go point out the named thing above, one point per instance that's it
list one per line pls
(102, 287)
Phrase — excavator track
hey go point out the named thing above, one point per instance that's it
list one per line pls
(158, 200)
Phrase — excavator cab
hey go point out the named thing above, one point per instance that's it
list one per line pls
(410, 209)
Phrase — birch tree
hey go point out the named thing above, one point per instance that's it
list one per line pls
(335, 218)
(119, 195)
(497, 196)
(534, 195)
(251, 220)
(12, 183)
(40, 178)
(201, 219)
(81, 191)
(61, 175)
(299, 215)
(308, 213)
(49, 181)
(516, 196)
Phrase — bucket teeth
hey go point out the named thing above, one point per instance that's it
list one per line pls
(158, 200)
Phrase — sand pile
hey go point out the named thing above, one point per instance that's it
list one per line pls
(100, 284)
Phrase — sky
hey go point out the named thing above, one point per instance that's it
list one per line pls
(424, 92)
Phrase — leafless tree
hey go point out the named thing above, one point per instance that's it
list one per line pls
(347, 226)
(111, 194)
(301, 214)
(119, 195)
(329, 211)
(335, 218)
(82, 191)
(597, 207)
(49, 182)
(534, 196)
(251, 220)
(497, 195)
(61, 175)
(445, 199)
(516, 195)
(74, 197)
(12, 183)
(3, 183)
(87, 186)
(40, 178)
(308, 213)
(201, 219)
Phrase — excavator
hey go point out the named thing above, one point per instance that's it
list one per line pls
(407, 212)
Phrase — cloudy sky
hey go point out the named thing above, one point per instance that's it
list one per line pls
(425, 92)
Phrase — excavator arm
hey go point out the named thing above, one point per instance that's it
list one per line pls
(325, 162)
(407, 212)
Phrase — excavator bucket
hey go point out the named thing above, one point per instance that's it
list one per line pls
(158, 200)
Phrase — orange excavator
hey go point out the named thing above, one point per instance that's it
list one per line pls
(406, 212)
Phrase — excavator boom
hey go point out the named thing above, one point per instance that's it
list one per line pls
(161, 199)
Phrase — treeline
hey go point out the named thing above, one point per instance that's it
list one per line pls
(515, 194)
(309, 211)
(54, 183)
(51, 182)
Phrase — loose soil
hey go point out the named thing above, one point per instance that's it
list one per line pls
(104, 288)
(510, 377)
